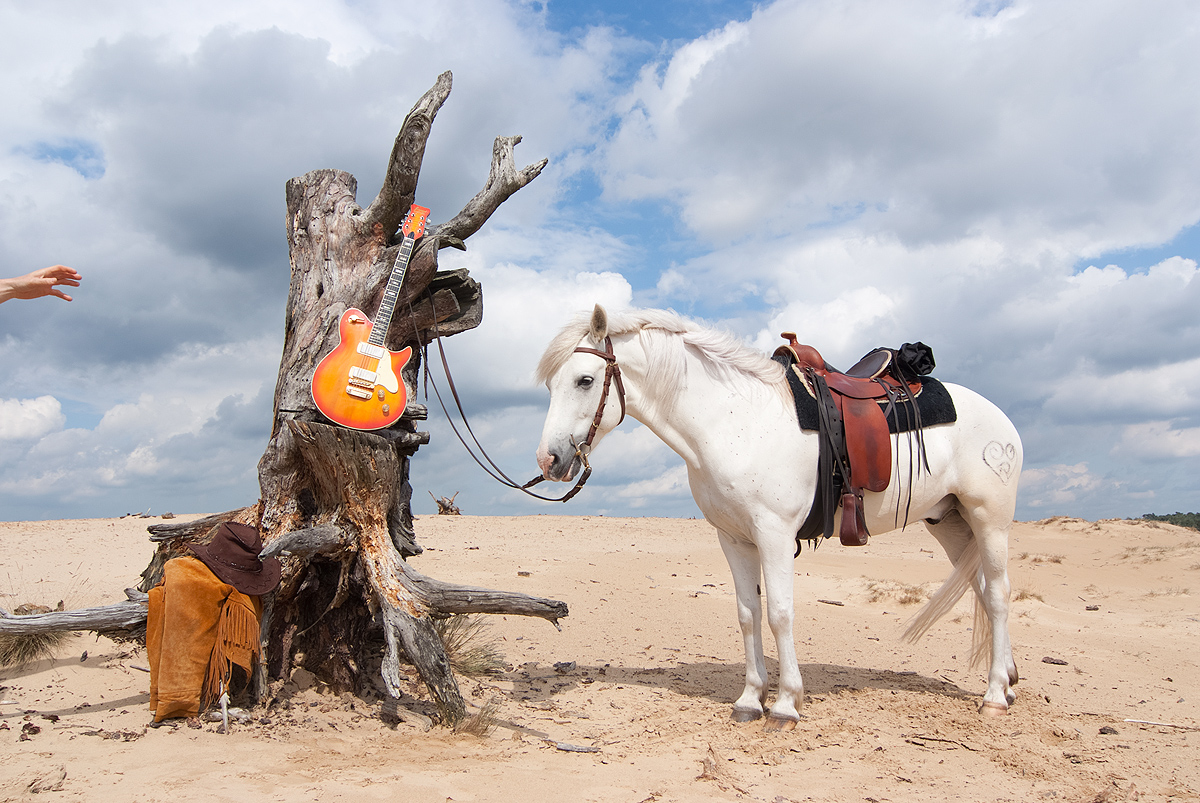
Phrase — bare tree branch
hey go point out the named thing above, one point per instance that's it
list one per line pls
(119, 616)
(404, 166)
(325, 539)
(503, 180)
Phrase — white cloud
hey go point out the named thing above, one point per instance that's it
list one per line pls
(1059, 485)
(526, 302)
(922, 119)
(1158, 440)
(863, 172)
(672, 482)
(857, 313)
(30, 419)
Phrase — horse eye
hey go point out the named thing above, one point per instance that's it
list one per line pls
(584, 382)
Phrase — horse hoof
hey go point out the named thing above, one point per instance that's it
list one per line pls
(776, 724)
(989, 709)
(746, 715)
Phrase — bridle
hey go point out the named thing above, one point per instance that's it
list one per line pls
(612, 372)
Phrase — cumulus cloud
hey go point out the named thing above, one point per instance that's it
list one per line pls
(30, 419)
(1159, 440)
(1059, 485)
(863, 173)
(643, 493)
(921, 119)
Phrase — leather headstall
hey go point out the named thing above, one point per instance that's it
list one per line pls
(611, 371)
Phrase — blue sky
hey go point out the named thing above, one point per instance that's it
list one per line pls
(658, 24)
(1014, 183)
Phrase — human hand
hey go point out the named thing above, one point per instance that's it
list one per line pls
(40, 283)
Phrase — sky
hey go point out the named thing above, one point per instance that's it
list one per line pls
(1016, 184)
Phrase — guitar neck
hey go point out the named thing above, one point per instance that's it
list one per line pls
(383, 318)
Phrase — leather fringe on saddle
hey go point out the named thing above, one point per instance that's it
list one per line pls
(855, 442)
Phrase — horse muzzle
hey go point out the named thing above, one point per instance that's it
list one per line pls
(560, 464)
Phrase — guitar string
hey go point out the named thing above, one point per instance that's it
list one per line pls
(365, 360)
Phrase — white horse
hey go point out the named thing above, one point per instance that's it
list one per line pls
(728, 412)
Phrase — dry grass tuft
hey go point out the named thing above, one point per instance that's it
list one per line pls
(25, 648)
(1155, 554)
(1168, 592)
(469, 646)
(1035, 558)
(903, 593)
(1025, 594)
(481, 723)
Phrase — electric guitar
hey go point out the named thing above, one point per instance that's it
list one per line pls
(358, 384)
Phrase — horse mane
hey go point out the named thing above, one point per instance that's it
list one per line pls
(665, 336)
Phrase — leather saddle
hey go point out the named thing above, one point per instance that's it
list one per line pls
(853, 405)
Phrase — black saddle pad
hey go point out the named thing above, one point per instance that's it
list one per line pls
(933, 403)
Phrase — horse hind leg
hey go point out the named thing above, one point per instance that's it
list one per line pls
(980, 558)
(993, 591)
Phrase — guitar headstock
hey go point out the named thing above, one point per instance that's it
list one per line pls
(414, 222)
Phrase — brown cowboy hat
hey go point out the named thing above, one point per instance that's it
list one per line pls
(232, 555)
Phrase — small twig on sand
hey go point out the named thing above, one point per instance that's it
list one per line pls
(573, 748)
(936, 739)
(1163, 724)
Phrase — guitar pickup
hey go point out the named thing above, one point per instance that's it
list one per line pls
(358, 393)
(363, 374)
(371, 351)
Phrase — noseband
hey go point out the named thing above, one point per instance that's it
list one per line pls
(612, 372)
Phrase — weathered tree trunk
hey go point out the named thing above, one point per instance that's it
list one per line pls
(355, 484)
(335, 502)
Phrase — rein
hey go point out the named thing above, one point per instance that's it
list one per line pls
(582, 450)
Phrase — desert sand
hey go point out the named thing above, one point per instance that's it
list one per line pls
(648, 665)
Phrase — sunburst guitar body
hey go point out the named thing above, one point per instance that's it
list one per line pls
(358, 384)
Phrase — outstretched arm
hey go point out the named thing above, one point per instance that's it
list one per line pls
(40, 283)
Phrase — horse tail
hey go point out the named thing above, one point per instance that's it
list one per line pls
(965, 575)
(981, 636)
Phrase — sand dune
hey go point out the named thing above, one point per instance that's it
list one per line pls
(657, 663)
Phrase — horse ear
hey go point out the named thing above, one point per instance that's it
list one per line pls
(599, 324)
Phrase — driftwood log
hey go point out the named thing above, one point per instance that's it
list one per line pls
(335, 503)
(121, 617)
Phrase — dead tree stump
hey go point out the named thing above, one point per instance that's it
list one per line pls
(335, 502)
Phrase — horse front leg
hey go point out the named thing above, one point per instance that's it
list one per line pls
(777, 569)
(744, 565)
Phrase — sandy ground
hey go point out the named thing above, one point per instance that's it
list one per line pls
(650, 662)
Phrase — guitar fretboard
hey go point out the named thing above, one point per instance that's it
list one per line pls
(383, 318)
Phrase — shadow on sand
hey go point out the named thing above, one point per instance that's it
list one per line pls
(720, 682)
